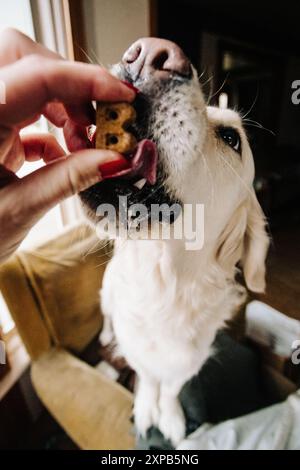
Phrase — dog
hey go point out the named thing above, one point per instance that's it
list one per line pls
(164, 303)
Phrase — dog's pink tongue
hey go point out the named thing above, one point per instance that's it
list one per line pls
(143, 162)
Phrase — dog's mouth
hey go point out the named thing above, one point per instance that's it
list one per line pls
(142, 165)
(143, 161)
(145, 182)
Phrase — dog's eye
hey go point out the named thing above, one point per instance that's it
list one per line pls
(231, 137)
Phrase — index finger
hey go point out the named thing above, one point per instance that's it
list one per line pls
(14, 45)
(35, 80)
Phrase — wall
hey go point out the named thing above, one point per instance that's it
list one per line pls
(112, 25)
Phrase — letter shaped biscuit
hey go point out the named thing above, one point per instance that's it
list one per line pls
(112, 119)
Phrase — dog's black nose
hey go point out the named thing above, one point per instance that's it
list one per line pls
(155, 57)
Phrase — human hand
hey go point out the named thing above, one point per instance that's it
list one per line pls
(37, 81)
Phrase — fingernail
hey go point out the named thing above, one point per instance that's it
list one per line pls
(132, 87)
(91, 135)
(109, 169)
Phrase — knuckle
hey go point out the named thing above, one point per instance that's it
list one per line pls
(101, 75)
(103, 72)
(14, 39)
(10, 34)
(73, 177)
(38, 65)
(77, 180)
(13, 216)
(35, 61)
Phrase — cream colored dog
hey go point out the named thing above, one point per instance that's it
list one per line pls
(164, 303)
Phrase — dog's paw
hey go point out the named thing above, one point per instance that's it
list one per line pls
(107, 335)
(146, 414)
(172, 422)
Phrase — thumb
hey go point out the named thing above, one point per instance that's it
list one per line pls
(43, 189)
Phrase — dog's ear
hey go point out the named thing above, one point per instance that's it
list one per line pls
(245, 239)
(256, 244)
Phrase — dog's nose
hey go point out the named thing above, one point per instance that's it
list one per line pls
(155, 57)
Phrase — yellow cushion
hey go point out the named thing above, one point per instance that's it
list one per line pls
(93, 410)
(52, 291)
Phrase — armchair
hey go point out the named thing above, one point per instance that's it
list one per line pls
(52, 294)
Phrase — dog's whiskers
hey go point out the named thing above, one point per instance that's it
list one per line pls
(101, 264)
(218, 90)
(150, 195)
(253, 104)
(201, 75)
(99, 245)
(97, 60)
(252, 123)
(237, 175)
(120, 247)
(212, 195)
(207, 81)
(85, 53)
(89, 58)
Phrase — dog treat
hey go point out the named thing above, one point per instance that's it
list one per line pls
(112, 122)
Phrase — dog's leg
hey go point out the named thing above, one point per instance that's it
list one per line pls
(107, 333)
(172, 420)
(146, 412)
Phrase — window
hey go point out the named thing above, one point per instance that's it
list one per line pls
(46, 21)
(17, 14)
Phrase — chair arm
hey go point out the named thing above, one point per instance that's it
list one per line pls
(93, 410)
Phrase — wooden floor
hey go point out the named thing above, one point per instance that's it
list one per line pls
(283, 273)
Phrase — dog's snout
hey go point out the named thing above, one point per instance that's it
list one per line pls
(155, 57)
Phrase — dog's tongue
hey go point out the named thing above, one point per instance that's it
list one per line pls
(143, 162)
